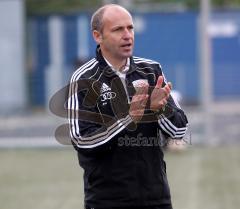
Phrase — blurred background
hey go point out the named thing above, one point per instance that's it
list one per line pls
(197, 43)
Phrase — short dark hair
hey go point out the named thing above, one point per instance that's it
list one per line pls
(97, 19)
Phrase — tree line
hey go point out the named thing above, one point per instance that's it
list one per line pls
(71, 6)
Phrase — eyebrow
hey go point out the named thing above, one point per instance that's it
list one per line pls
(120, 26)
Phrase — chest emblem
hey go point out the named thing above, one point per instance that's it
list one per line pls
(106, 93)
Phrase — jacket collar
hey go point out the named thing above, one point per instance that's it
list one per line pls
(103, 64)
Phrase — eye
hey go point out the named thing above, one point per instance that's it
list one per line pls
(130, 27)
(117, 29)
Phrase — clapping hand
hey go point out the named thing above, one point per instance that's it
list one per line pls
(160, 95)
(139, 102)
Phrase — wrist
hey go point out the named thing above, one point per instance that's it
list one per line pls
(159, 110)
(133, 117)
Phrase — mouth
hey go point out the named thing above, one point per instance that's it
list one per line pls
(126, 45)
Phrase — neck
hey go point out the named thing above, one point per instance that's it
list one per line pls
(118, 64)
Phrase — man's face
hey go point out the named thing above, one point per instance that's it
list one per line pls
(117, 36)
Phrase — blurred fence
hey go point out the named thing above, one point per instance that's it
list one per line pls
(170, 38)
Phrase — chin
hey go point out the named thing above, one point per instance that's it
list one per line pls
(128, 54)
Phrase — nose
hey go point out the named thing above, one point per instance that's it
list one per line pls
(127, 34)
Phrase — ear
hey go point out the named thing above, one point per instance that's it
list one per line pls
(97, 36)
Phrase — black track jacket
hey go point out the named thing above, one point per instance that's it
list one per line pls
(122, 161)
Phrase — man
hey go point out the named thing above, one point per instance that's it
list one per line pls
(117, 119)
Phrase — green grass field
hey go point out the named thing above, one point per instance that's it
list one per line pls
(199, 178)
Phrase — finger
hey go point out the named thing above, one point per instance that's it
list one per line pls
(170, 85)
(142, 100)
(139, 101)
(143, 89)
(159, 82)
(141, 97)
(167, 90)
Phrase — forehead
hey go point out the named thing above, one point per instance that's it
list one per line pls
(114, 16)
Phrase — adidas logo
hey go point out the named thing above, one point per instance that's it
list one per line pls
(104, 88)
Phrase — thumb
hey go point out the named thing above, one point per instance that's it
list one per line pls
(159, 82)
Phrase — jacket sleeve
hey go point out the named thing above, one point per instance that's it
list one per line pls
(173, 121)
(89, 129)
